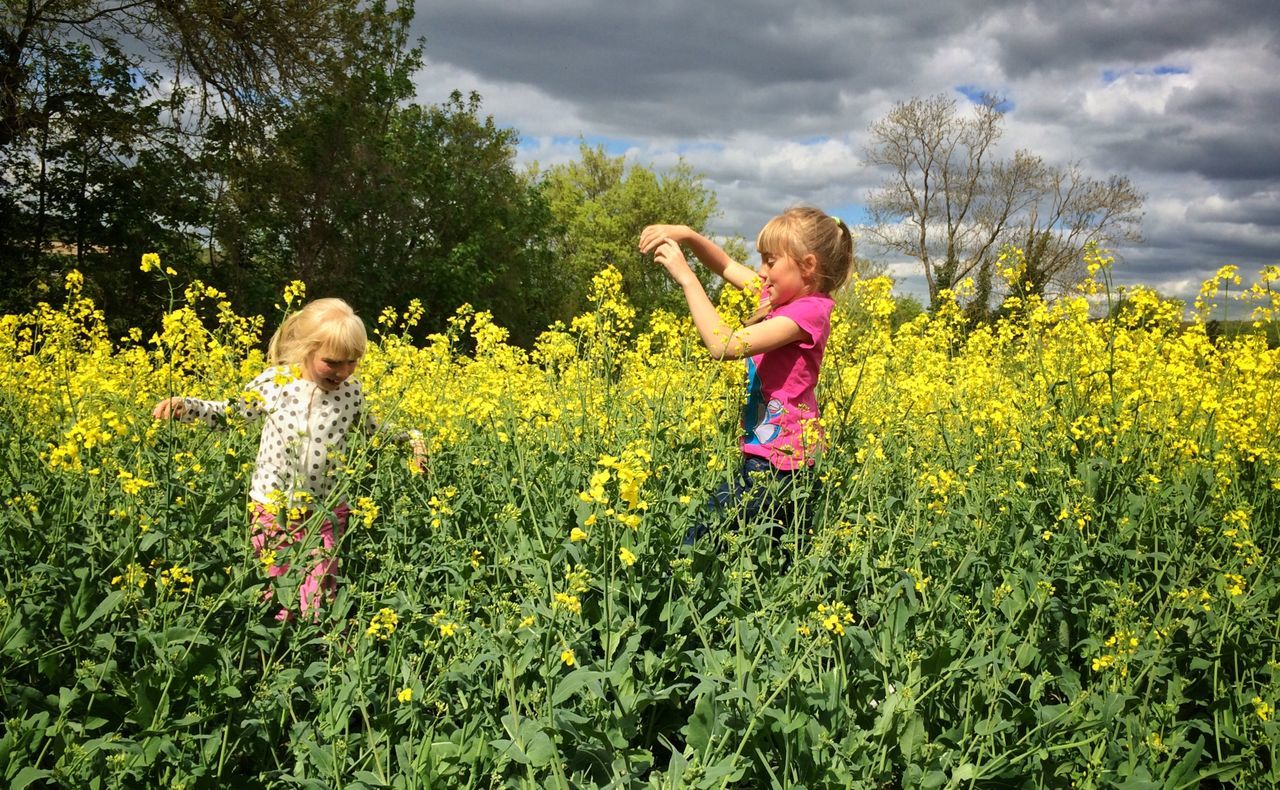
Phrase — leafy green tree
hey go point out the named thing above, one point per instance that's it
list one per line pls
(600, 206)
(93, 182)
(100, 155)
(479, 228)
(365, 195)
(291, 203)
(247, 58)
(320, 168)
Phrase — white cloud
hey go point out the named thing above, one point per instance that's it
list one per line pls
(772, 103)
(1130, 96)
(523, 107)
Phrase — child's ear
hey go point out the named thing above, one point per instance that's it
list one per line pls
(809, 266)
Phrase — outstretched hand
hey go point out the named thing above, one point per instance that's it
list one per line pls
(169, 409)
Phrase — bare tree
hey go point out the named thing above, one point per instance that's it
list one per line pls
(1073, 210)
(952, 205)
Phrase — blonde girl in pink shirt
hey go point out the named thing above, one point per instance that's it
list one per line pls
(805, 255)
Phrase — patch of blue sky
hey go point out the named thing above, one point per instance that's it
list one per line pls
(853, 214)
(1164, 70)
(613, 146)
(137, 77)
(697, 146)
(977, 95)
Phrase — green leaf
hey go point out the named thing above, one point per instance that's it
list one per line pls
(702, 724)
(369, 778)
(989, 727)
(932, 779)
(506, 747)
(1184, 773)
(539, 749)
(107, 606)
(571, 683)
(26, 776)
(150, 539)
(912, 735)
(322, 758)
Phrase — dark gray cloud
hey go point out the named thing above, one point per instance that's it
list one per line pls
(772, 102)
(1049, 35)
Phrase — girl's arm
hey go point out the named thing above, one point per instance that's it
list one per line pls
(210, 412)
(250, 406)
(721, 340)
(412, 437)
(707, 251)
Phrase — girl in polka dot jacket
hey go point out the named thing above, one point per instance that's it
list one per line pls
(309, 401)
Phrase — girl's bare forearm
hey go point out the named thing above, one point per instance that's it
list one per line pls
(719, 262)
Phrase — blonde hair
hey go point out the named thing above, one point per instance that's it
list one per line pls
(801, 231)
(805, 230)
(328, 325)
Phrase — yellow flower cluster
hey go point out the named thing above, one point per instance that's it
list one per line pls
(134, 575)
(447, 626)
(383, 624)
(174, 578)
(567, 601)
(834, 617)
(366, 510)
(918, 579)
(577, 581)
(1265, 710)
(1121, 645)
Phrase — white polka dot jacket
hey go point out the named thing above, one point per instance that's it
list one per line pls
(304, 435)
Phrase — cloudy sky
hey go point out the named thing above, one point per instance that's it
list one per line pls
(772, 101)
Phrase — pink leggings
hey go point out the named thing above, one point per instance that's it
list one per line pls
(321, 583)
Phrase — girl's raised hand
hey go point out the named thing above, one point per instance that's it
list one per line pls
(654, 235)
(169, 409)
(668, 253)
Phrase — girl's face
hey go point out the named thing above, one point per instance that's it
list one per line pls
(785, 278)
(328, 370)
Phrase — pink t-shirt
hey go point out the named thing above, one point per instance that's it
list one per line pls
(780, 389)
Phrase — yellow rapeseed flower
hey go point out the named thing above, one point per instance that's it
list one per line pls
(134, 576)
(383, 624)
(1263, 709)
(566, 601)
(176, 576)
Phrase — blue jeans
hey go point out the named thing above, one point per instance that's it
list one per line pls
(758, 492)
